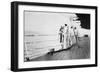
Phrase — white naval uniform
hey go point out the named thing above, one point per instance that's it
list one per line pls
(65, 33)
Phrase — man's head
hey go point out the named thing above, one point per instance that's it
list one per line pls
(71, 27)
(75, 28)
(65, 24)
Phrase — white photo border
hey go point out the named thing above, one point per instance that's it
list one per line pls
(22, 64)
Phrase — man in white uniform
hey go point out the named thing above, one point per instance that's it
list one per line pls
(65, 33)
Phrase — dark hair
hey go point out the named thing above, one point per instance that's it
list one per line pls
(65, 24)
(75, 28)
(71, 26)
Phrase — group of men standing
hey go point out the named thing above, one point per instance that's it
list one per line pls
(67, 35)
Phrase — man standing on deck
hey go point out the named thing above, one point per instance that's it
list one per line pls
(61, 36)
(65, 33)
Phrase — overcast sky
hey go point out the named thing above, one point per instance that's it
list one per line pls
(45, 22)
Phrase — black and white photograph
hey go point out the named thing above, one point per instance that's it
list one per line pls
(52, 36)
(56, 36)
